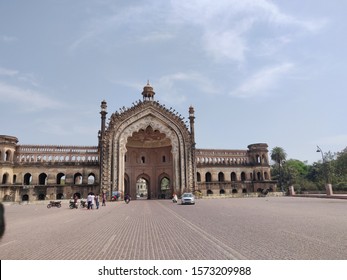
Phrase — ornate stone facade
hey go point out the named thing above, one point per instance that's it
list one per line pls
(147, 145)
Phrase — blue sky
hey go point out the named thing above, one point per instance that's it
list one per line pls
(254, 70)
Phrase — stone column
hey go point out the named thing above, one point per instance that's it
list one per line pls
(175, 165)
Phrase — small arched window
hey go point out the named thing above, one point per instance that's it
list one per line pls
(243, 176)
(198, 177)
(233, 176)
(77, 179)
(5, 178)
(91, 179)
(27, 179)
(61, 179)
(8, 155)
(43, 179)
(208, 177)
(220, 177)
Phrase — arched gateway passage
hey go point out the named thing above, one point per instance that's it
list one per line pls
(148, 156)
(147, 141)
(142, 187)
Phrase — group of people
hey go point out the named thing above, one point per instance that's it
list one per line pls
(95, 200)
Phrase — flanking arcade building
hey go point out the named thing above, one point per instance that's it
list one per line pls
(147, 150)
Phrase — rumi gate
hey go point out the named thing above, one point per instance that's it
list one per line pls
(147, 150)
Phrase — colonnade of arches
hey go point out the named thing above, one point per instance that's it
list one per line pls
(233, 191)
(56, 158)
(257, 176)
(223, 161)
(43, 179)
(41, 196)
(223, 191)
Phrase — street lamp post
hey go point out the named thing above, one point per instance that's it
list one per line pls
(328, 186)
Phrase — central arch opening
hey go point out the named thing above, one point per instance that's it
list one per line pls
(141, 189)
(148, 151)
(165, 188)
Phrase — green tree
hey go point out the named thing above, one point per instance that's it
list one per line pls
(293, 173)
(315, 174)
(295, 170)
(278, 155)
(300, 167)
(313, 177)
(339, 166)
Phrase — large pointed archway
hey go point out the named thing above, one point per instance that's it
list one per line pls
(147, 139)
(148, 154)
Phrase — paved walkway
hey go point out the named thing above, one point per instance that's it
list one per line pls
(243, 228)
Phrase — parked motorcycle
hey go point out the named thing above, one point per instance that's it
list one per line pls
(83, 203)
(73, 204)
(54, 204)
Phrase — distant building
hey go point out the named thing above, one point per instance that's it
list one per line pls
(146, 150)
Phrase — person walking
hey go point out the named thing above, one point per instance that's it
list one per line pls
(174, 198)
(75, 200)
(96, 199)
(89, 201)
(103, 199)
(93, 201)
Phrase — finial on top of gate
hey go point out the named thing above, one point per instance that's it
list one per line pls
(148, 93)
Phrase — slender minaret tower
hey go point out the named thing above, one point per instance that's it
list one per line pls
(192, 134)
(103, 114)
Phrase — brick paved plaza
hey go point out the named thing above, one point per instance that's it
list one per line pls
(239, 228)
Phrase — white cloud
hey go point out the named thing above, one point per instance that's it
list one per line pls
(8, 72)
(156, 36)
(272, 45)
(21, 77)
(28, 100)
(228, 43)
(170, 89)
(263, 81)
(221, 28)
(226, 23)
(130, 19)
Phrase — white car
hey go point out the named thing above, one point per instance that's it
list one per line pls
(187, 198)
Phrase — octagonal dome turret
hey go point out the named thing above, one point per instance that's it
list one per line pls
(148, 93)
